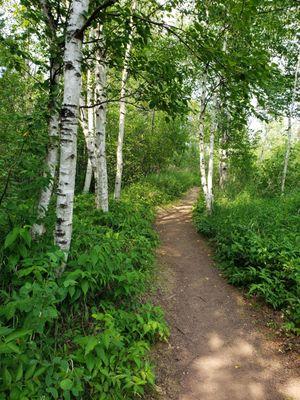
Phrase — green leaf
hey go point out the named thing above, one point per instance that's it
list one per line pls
(66, 384)
(85, 287)
(19, 373)
(90, 361)
(11, 237)
(7, 377)
(39, 372)
(72, 291)
(6, 348)
(17, 334)
(53, 391)
(26, 236)
(4, 330)
(91, 344)
(30, 372)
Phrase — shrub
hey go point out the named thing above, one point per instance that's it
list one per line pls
(86, 334)
(258, 246)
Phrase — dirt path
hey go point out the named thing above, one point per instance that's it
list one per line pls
(218, 350)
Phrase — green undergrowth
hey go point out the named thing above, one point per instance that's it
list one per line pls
(258, 247)
(86, 334)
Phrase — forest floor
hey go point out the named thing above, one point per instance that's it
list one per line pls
(220, 346)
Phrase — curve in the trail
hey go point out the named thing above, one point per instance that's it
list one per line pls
(217, 350)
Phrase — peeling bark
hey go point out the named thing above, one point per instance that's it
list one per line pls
(51, 160)
(69, 125)
(100, 129)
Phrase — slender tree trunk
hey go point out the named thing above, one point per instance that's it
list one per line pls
(88, 126)
(223, 141)
(287, 153)
(289, 129)
(201, 142)
(118, 181)
(264, 141)
(69, 125)
(89, 145)
(223, 160)
(209, 201)
(100, 94)
(152, 121)
(51, 160)
(88, 177)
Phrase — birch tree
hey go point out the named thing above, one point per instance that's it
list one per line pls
(209, 200)
(201, 140)
(223, 160)
(87, 124)
(69, 125)
(119, 167)
(51, 161)
(88, 177)
(100, 124)
(289, 128)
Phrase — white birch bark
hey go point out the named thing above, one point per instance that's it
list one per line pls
(289, 129)
(223, 161)
(69, 125)
(201, 142)
(89, 142)
(209, 201)
(223, 141)
(88, 177)
(119, 172)
(51, 160)
(287, 153)
(88, 127)
(100, 129)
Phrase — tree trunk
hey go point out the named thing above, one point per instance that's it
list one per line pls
(264, 141)
(287, 153)
(69, 125)
(118, 181)
(88, 127)
(201, 142)
(213, 128)
(289, 129)
(88, 177)
(51, 160)
(100, 131)
(223, 161)
(89, 146)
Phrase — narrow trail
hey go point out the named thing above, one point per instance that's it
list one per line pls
(217, 350)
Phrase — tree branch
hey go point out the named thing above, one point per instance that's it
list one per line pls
(93, 16)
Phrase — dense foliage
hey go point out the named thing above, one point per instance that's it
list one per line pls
(98, 99)
(86, 333)
(256, 236)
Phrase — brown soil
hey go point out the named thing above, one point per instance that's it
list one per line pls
(219, 348)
